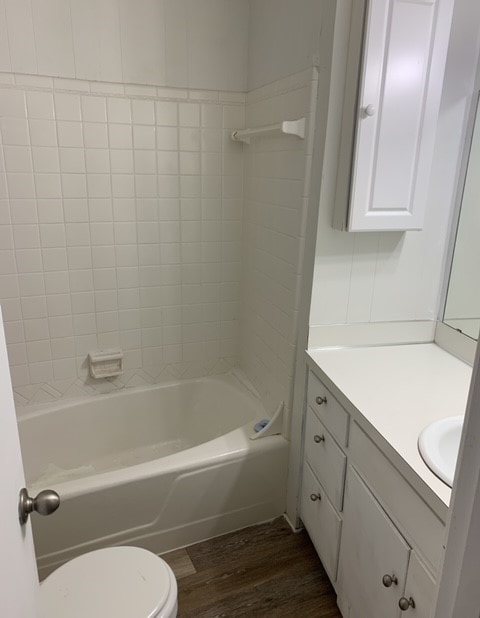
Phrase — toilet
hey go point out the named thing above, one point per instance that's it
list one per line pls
(120, 582)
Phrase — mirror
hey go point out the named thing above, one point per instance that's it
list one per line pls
(462, 308)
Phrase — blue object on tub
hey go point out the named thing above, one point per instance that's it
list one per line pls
(261, 425)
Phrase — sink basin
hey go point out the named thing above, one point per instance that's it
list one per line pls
(438, 445)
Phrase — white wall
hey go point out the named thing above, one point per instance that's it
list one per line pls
(179, 43)
(284, 36)
(375, 277)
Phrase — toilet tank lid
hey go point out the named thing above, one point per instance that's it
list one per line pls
(125, 582)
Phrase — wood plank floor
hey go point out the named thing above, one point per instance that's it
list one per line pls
(265, 570)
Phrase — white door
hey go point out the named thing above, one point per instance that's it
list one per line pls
(18, 571)
(404, 57)
(371, 547)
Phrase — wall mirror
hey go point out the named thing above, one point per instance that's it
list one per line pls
(462, 307)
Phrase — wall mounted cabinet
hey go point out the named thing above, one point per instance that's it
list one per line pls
(396, 61)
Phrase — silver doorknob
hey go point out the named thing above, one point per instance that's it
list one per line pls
(45, 503)
(388, 580)
(405, 604)
(369, 110)
(320, 400)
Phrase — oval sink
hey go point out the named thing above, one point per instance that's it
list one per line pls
(438, 445)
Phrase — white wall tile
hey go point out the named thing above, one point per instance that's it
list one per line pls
(166, 113)
(45, 159)
(95, 135)
(74, 186)
(17, 159)
(12, 103)
(120, 136)
(20, 185)
(167, 138)
(67, 106)
(15, 131)
(144, 137)
(97, 160)
(119, 110)
(23, 211)
(48, 186)
(43, 132)
(70, 134)
(143, 111)
(72, 160)
(94, 109)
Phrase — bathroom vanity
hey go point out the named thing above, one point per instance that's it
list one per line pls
(374, 511)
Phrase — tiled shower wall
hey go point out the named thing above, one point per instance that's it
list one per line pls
(277, 186)
(120, 225)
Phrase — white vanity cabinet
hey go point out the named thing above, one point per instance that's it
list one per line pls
(365, 520)
(390, 112)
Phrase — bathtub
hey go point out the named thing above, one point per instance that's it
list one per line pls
(158, 467)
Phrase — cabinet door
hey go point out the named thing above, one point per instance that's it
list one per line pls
(404, 52)
(321, 520)
(421, 588)
(370, 548)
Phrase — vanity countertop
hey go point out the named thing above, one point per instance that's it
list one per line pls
(397, 391)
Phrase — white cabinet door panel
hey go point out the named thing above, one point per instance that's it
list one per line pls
(370, 548)
(322, 522)
(421, 587)
(405, 45)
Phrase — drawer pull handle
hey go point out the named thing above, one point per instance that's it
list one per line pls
(318, 439)
(315, 497)
(319, 399)
(405, 604)
(388, 580)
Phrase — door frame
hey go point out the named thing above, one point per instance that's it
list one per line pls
(459, 581)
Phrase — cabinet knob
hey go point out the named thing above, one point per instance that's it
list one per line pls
(405, 604)
(388, 580)
(369, 110)
(319, 399)
(318, 439)
(315, 497)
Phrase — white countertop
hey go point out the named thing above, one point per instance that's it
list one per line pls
(399, 390)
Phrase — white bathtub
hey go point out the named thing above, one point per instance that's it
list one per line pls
(159, 467)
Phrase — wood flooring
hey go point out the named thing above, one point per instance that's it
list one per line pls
(262, 571)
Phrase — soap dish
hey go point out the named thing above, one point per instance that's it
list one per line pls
(105, 363)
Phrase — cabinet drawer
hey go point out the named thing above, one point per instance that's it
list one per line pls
(327, 408)
(325, 458)
(418, 522)
(322, 522)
